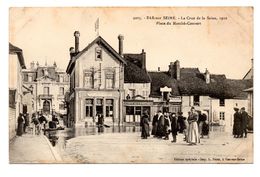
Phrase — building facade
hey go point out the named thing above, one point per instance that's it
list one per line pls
(49, 85)
(97, 83)
(16, 64)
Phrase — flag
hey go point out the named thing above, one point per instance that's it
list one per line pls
(97, 25)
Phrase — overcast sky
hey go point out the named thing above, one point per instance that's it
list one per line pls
(222, 46)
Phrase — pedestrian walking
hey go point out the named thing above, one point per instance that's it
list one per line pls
(26, 121)
(237, 123)
(155, 124)
(180, 122)
(167, 126)
(201, 121)
(36, 125)
(174, 127)
(43, 121)
(144, 123)
(160, 127)
(244, 122)
(20, 121)
(193, 132)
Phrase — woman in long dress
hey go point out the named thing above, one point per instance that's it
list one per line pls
(193, 132)
(20, 122)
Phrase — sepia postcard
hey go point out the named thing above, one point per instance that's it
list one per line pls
(135, 85)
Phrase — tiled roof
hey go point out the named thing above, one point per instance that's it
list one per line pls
(135, 74)
(15, 50)
(192, 82)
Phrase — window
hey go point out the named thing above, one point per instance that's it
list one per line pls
(60, 78)
(61, 106)
(61, 91)
(25, 77)
(221, 102)
(89, 107)
(30, 78)
(110, 80)
(46, 91)
(196, 100)
(98, 53)
(221, 115)
(88, 80)
(109, 108)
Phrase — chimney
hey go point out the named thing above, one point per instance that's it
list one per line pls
(177, 70)
(159, 69)
(174, 70)
(76, 35)
(32, 64)
(120, 45)
(54, 64)
(207, 76)
(37, 64)
(171, 70)
(143, 59)
(72, 51)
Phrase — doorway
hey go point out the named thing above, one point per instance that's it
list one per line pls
(46, 107)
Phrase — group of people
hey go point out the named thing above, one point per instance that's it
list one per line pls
(39, 123)
(163, 124)
(240, 123)
(23, 122)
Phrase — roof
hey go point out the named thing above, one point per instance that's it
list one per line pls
(249, 74)
(161, 79)
(100, 41)
(249, 89)
(192, 82)
(134, 58)
(135, 74)
(15, 50)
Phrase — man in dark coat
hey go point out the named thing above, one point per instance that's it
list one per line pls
(174, 127)
(160, 127)
(244, 121)
(180, 122)
(237, 123)
(144, 123)
(155, 124)
(167, 126)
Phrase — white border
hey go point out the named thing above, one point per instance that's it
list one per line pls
(116, 170)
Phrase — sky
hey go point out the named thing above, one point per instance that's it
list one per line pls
(222, 46)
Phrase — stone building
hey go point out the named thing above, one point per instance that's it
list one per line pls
(179, 89)
(16, 64)
(49, 85)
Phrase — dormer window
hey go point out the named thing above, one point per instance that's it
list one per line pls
(98, 54)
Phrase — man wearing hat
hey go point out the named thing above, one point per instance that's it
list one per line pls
(237, 123)
(244, 121)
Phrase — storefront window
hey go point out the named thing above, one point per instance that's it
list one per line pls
(109, 108)
(89, 107)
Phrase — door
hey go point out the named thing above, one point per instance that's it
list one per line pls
(46, 107)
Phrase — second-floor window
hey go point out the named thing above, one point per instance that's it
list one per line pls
(61, 91)
(221, 115)
(110, 80)
(98, 53)
(221, 102)
(196, 100)
(88, 80)
(46, 91)
(25, 77)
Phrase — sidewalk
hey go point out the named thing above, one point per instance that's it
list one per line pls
(32, 149)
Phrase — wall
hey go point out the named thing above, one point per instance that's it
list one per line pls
(142, 89)
(228, 109)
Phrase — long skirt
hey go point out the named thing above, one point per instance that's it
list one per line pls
(20, 129)
(193, 133)
(154, 129)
